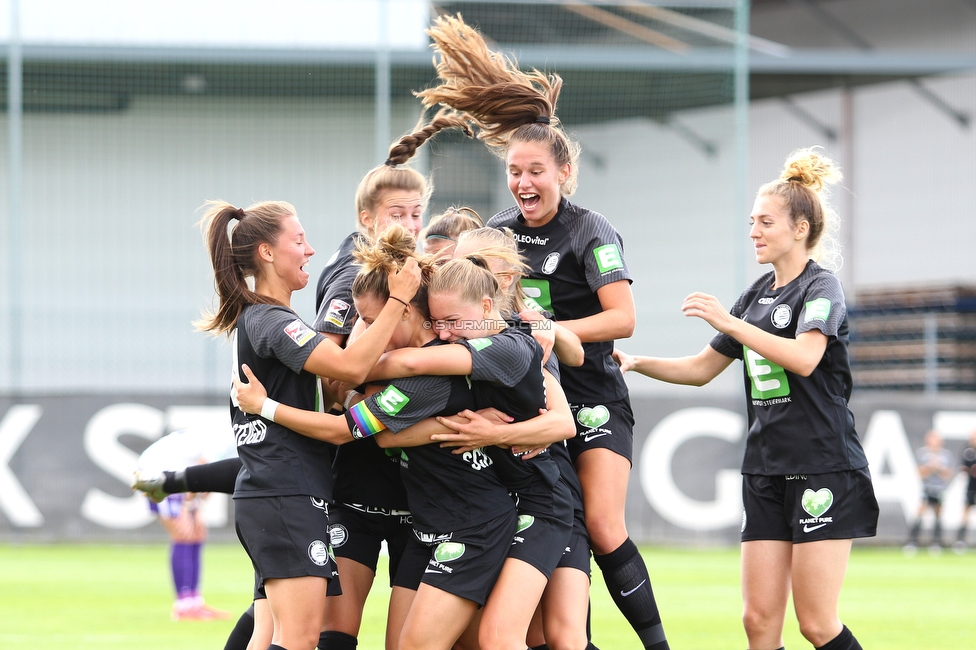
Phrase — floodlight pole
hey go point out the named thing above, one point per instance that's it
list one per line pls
(382, 81)
(15, 95)
(741, 75)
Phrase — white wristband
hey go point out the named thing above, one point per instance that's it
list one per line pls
(349, 398)
(268, 409)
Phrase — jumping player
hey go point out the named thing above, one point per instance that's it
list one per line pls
(578, 274)
(806, 487)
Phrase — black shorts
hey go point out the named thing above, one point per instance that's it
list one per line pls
(469, 563)
(286, 537)
(808, 508)
(539, 540)
(603, 426)
(577, 553)
(414, 560)
(357, 533)
(971, 497)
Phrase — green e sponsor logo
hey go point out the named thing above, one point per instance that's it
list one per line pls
(768, 379)
(537, 291)
(608, 258)
(818, 309)
(479, 344)
(391, 400)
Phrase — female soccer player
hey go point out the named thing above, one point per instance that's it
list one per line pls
(286, 482)
(562, 620)
(806, 488)
(578, 274)
(370, 501)
(180, 514)
(505, 368)
(440, 236)
(463, 517)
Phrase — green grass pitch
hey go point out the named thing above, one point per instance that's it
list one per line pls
(85, 597)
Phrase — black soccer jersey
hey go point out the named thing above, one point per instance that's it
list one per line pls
(445, 491)
(506, 373)
(335, 312)
(571, 257)
(364, 473)
(275, 343)
(797, 425)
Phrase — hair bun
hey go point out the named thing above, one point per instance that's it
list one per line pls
(810, 168)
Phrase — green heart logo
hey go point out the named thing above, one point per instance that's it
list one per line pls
(447, 551)
(524, 521)
(593, 417)
(817, 503)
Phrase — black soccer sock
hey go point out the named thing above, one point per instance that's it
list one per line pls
(241, 634)
(843, 641)
(173, 482)
(539, 647)
(916, 528)
(219, 476)
(937, 533)
(626, 577)
(590, 646)
(276, 647)
(331, 640)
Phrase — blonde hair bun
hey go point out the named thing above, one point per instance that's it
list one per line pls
(810, 168)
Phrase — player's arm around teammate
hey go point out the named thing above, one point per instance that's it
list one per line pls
(268, 243)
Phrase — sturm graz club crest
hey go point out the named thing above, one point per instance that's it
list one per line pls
(318, 552)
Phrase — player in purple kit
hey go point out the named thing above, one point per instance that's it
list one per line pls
(181, 516)
(806, 487)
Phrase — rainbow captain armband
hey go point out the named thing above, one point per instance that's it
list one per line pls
(363, 422)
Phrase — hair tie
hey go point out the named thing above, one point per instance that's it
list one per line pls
(543, 119)
(390, 163)
(240, 213)
(798, 179)
(439, 236)
(477, 261)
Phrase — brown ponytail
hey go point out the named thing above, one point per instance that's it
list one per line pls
(233, 255)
